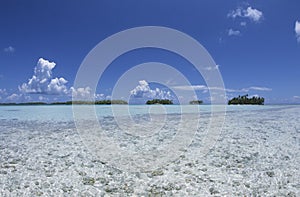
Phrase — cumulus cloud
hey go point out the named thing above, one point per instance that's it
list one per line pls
(42, 81)
(87, 94)
(102, 97)
(253, 14)
(235, 13)
(297, 30)
(57, 86)
(232, 32)
(43, 98)
(81, 93)
(13, 97)
(143, 90)
(250, 13)
(9, 49)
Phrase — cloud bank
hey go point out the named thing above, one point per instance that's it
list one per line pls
(143, 90)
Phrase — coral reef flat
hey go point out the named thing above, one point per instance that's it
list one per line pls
(256, 154)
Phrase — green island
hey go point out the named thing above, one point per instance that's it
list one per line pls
(244, 100)
(99, 102)
(159, 101)
(196, 102)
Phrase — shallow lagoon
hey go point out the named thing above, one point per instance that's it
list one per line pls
(257, 154)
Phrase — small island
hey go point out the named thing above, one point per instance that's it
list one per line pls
(196, 102)
(159, 101)
(99, 102)
(244, 100)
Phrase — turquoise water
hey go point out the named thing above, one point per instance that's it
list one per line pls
(64, 113)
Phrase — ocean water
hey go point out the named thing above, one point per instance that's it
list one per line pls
(47, 151)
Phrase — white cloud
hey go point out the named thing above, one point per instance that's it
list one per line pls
(57, 86)
(297, 30)
(81, 93)
(42, 81)
(192, 87)
(253, 14)
(205, 88)
(102, 97)
(232, 32)
(13, 97)
(18, 98)
(235, 13)
(42, 98)
(243, 24)
(3, 91)
(250, 13)
(143, 90)
(296, 97)
(253, 88)
(216, 67)
(9, 49)
(258, 88)
(254, 95)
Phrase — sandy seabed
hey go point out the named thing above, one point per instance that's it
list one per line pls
(257, 154)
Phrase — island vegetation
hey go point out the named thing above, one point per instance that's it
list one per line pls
(28, 103)
(196, 102)
(244, 100)
(159, 101)
(99, 102)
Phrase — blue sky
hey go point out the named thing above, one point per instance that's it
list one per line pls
(256, 45)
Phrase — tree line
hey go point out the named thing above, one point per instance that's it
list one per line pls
(159, 101)
(99, 102)
(244, 100)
